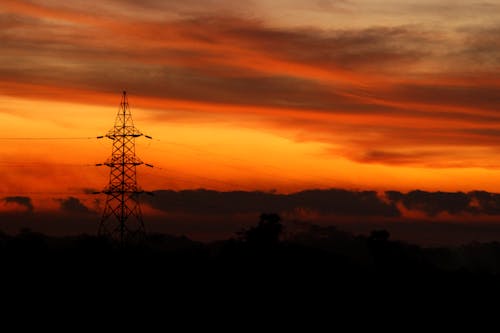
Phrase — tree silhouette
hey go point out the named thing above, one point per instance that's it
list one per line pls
(267, 232)
(379, 236)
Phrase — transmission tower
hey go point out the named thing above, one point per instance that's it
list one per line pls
(122, 217)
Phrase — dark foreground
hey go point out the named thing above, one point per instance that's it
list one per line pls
(262, 271)
(267, 254)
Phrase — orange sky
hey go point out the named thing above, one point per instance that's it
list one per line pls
(282, 95)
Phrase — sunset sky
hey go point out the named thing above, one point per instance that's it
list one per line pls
(281, 95)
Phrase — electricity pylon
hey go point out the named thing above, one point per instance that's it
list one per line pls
(122, 216)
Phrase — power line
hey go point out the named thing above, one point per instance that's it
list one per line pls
(13, 193)
(42, 164)
(189, 179)
(52, 138)
(176, 173)
(279, 171)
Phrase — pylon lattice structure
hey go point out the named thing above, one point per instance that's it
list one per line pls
(122, 216)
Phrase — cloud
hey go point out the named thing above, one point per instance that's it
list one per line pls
(333, 202)
(73, 205)
(432, 203)
(478, 96)
(485, 202)
(89, 190)
(481, 47)
(437, 158)
(391, 157)
(357, 49)
(20, 200)
(330, 202)
(475, 203)
(207, 49)
(427, 88)
(213, 59)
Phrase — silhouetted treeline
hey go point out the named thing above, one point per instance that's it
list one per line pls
(270, 248)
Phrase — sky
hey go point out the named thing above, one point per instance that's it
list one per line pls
(279, 96)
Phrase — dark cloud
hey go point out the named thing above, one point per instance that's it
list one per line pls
(73, 205)
(333, 202)
(432, 203)
(89, 190)
(190, 84)
(382, 47)
(210, 73)
(195, 7)
(485, 202)
(391, 157)
(330, 202)
(344, 202)
(455, 203)
(477, 96)
(20, 200)
(203, 62)
(436, 159)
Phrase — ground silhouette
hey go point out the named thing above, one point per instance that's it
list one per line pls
(270, 253)
(266, 246)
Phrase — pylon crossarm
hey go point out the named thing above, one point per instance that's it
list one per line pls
(114, 135)
(112, 164)
(111, 192)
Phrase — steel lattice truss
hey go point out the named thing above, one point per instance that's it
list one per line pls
(122, 217)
